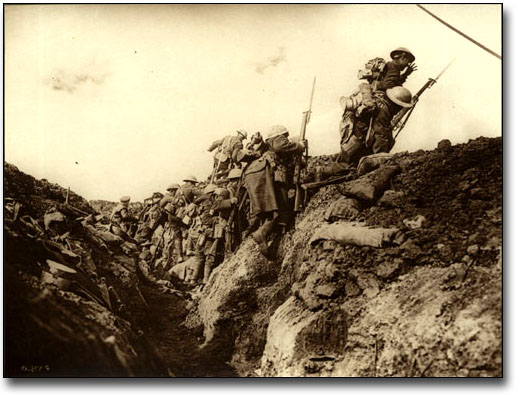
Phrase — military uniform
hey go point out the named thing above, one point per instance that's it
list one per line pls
(228, 150)
(267, 181)
(173, 231)
(357, 144)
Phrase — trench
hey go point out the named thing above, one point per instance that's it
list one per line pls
(179, 347)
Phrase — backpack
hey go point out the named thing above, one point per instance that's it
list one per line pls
(373, 70)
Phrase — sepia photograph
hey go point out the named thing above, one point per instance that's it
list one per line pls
(253, 190)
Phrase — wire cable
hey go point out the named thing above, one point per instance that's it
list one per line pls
(459, 32)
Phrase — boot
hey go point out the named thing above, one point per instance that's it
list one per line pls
(260, 236)
(255, 221)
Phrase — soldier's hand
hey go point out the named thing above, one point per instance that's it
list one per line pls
(234, 200)
(410, 68)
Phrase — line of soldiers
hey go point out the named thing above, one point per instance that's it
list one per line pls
(247, 193)
(251, 188)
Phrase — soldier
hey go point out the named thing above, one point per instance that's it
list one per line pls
(267, 180)
(397, 70)
(228, 148)
(119, 228)
(124, 203)
(221, 206)
(202, 230)
(189, 191)
(371, 131)
(170, 204)
(150, 218)
(361, 108)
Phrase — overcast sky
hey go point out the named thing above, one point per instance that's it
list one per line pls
(118, 100)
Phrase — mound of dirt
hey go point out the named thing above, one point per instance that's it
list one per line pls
(81, 324)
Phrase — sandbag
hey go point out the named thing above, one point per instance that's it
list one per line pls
(186, 270)
(354, 233)
(372, 162)
(372, 185)
(343, 208)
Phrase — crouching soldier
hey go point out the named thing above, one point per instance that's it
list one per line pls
(372, 132)
(119, 228)
(369, 132)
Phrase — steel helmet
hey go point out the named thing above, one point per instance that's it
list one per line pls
(277, 130)
(400, 96)
(234, 173)
(190, 178)
(157, 195)
(399, 50)
(222, 192)
(210, 188)
(173, 186)
(243, 133)
(125, 199)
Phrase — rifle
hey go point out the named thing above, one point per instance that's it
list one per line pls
(233, 224)
(319, 184)
(298, 200)
(400, 119)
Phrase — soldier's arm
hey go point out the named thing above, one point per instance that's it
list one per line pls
(222, 205)
(236, 150)
(165, 200)
(392, 77)
(281, 145)
(215, 144)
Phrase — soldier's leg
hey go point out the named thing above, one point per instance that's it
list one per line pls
(209, 264)
(382, 130)
(199, 259)
(350, 151)
(285, 210)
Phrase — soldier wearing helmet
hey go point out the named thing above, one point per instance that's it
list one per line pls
(268, 180)
(216, 230)
(397, 70)
(124, 204)
(170, 204)
(379, 137)
(370, 132)
(227, 152)
(128, 221)
(150, 218)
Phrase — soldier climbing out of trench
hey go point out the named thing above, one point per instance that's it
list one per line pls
(365, 127)
(268, 180)
(226, 155)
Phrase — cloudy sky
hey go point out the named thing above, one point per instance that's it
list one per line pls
(118, 100)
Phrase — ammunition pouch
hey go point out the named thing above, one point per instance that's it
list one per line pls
(219, 230)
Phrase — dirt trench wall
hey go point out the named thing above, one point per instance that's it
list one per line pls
(53, 332)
